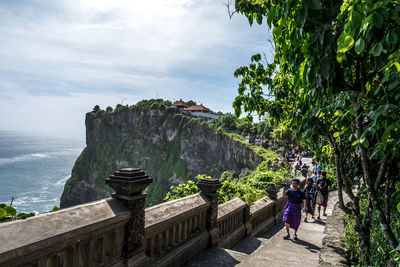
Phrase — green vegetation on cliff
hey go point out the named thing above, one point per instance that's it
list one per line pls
(169, 146)
(250, 185)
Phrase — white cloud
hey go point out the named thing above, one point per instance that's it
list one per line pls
(59, 58)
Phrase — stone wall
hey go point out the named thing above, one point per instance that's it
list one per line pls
(119, 231)
(333, 251)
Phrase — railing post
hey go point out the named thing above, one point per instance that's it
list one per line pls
(209, 189)
(246, 217)
(129, 184)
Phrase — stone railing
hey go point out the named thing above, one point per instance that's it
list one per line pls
(176, 230)
(231, 222)
(262, 216)
(86, 235)
(119, 231)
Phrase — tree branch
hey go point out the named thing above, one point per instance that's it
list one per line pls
(230, 13)
(379, 178)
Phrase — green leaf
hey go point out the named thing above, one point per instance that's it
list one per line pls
(346, 44)
(10, 211)
(336, 134)
(359, 46)
(355, 142)
(392, 37)
(398, 209)
(338, 113)
(376, 19)
(3, 213)
(377, 49)
(397, 64)
(364, 141)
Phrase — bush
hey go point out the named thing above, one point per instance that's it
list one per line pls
(381, 253)
(9, 213)
(251, 184)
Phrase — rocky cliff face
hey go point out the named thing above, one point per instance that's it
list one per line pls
(170, 147)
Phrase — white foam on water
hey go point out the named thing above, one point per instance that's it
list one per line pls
(62, 181)
(38, 156)
(22, 158)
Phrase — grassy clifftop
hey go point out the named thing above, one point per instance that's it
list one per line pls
(169, 146)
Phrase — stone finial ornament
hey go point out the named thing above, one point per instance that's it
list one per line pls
(129, 184)
(272, 191)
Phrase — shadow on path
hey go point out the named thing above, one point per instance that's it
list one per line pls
(310, 246)
(215, 257)
(274, 230)
(319, 222)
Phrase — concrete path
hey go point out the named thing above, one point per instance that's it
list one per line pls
(270, 249)
(303, 252)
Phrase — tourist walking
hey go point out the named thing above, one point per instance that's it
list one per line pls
(292, 213)
(314, 176)
(320, 167)
(309, 190)
(323, 185)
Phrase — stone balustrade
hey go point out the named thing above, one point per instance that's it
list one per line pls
(86, 235)
(119, 231)
(231, 223)
(262, 216)
(176, 230)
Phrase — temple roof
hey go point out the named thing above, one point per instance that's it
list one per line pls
(199, 108)
(180, 103)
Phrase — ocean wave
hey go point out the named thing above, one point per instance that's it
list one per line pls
(29, 199)
(66, 152)
(62, 181)
(26, 157)
(38, 156)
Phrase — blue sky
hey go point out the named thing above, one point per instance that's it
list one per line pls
(60, 58)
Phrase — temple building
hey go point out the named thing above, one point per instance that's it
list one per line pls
(198, 111)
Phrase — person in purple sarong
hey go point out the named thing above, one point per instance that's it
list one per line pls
(292, 213)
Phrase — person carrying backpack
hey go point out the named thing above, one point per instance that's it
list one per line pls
(323, 187)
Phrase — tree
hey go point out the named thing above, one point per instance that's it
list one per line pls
(96, 108)
(246, 126)
(264, 128)
(191, 103)
(335, 76)
(228, 121)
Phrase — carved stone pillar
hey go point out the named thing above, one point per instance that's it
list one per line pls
(209, 189)
(129, 184)
(272, 191)
(286, 184)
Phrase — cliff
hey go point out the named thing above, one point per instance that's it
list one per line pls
(169, 146)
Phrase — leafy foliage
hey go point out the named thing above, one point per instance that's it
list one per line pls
(250, 185)
(335, 83)
(9, 213)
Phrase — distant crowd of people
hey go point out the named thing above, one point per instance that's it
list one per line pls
(292, 155)
(315, 193)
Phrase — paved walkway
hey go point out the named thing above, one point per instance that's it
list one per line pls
(303, 252)
(270, 249)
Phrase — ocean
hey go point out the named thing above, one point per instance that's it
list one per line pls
(34, 169)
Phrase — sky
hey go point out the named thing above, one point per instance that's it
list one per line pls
(58, 59)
